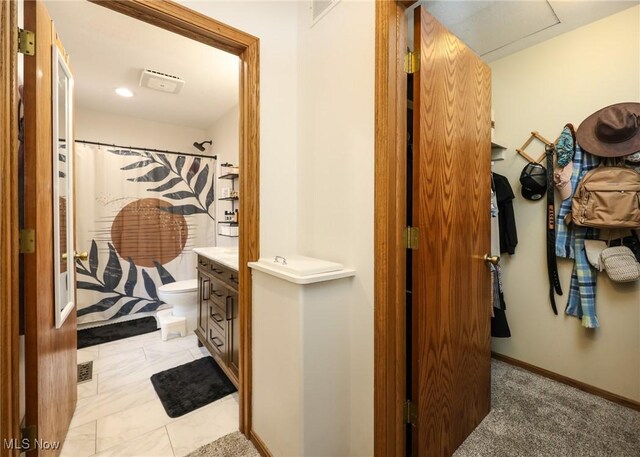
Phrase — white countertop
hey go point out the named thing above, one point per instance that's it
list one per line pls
(227, 256)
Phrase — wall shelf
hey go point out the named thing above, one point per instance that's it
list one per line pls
(497, 151)
(227, 228)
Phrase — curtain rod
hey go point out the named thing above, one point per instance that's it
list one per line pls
(97, 143)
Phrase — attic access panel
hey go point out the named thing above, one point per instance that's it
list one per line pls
(486, 26)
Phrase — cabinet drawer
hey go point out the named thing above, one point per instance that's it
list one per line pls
(224, 274)
(218, 293)
(217, 316)
(203, 263)
(218, 271)
(217, 340)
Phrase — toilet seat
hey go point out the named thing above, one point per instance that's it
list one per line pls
(179, 287)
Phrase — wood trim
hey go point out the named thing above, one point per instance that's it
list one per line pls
(390, 216)
(588, 388)
(9, 340)
(184, 21)
(249, 223)
(191, 24)
(260, 446)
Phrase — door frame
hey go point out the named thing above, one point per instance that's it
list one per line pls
(9, 326)
(390, 216)
(191, 24)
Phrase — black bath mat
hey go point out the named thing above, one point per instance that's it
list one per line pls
(193, 385)
(112, 332)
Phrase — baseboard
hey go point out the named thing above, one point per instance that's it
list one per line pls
(615, 398)
(259, 444)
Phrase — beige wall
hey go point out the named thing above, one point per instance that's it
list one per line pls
(275, 24)
(103, 127)
(316, 178)
(335, 176)
(541, 88)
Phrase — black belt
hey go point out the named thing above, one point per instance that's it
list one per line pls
(552, 264)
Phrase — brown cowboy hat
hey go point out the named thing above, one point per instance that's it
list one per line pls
(613, 131)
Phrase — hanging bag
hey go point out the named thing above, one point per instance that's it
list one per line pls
(608, 197)
(620, 264)
(594, 250)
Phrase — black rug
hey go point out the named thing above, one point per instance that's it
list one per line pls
(112, 332)
(191, 386)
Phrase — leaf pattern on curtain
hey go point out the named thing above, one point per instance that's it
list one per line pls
(120, 193)
(109, 284)
(190, 187)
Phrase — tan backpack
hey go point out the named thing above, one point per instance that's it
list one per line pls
(608, 197)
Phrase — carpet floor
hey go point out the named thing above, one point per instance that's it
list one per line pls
(113, 332)
(535, 416)
(232, 445)
(531, 416)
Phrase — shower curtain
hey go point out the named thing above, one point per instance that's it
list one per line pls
(139, 214)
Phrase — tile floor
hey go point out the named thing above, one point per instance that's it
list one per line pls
(119, 414)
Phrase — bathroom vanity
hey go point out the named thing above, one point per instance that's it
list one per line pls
(218, 326)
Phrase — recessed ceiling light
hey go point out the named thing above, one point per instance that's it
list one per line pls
(124, 92)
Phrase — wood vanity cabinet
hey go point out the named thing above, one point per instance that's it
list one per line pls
(218, 324)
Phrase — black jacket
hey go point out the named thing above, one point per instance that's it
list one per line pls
(506, 217)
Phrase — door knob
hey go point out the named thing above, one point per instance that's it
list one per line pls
(84, 255)
(492, 259)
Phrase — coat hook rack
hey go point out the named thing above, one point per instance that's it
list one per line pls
(536, 136)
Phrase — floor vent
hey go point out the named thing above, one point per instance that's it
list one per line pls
(85, 372)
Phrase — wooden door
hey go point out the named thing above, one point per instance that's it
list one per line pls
(50, 351)
(450, 361)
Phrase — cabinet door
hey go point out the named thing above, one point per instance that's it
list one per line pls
(233, 333)
(203, 303)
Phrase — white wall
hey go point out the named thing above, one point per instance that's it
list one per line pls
(316, 156)
(225, 133)
(541, 88)
(275, 23)
(131, 131)
(335, 175)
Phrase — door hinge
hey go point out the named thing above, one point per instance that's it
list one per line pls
(28, 435)
(410, 413)
(411, 237)
(26, 42)
(27, 241)
(411, 63)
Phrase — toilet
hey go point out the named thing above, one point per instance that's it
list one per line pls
(182, 296)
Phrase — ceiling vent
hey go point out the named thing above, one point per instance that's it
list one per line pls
(320, 8)
(161, 81)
